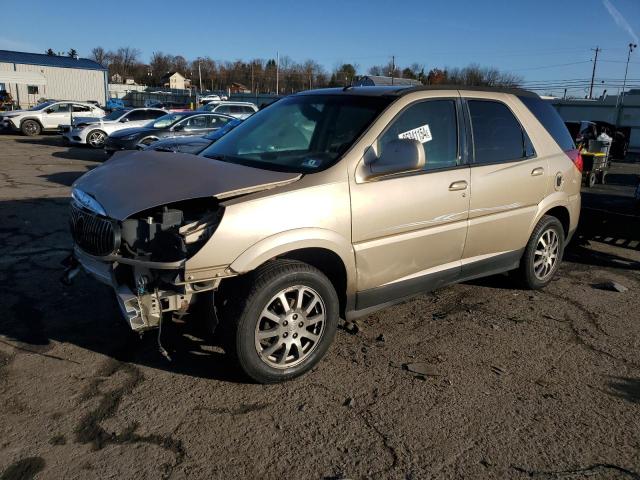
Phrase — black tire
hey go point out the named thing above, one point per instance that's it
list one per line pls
(96, 143)
(603, 178)
(527, 273)
(591, 179)
(30, 128)
(244, 301)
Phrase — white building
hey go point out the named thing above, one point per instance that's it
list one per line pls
(29, 77)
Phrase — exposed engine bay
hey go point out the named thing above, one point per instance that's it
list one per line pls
(148, 279)
(171, 232)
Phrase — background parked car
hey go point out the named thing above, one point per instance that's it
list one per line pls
(167, 105)
(175, 124)
(235, 109)
(48, 116)
(194, 144)
(94, 133)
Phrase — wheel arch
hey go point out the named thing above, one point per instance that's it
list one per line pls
(35, 119)
(323, 249)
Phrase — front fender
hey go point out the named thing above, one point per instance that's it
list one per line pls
(297, 239)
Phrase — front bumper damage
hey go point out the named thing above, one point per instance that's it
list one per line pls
(143, 307)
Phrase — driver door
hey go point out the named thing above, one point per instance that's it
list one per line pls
(409, 230)
(57, 114)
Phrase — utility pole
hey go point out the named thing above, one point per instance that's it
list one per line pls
(200, 75)
(277, 73)
(593, 73)
(252, 76)
(632, 46)
(393, 67)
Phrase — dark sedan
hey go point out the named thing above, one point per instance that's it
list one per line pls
(192, 145)
(177, 124)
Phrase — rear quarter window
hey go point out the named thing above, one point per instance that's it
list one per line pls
(550, 119)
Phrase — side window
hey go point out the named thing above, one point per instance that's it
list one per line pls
(497, 134)
(59, 108)
(223, 109)
(433, 123)
(215, 121)
(137, 116)
(80, 108)
(196, 123)
(247, 109)
(153, 114)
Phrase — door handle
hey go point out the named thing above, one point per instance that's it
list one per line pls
(459, 185)
(537, 171)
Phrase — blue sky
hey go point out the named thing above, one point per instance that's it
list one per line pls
(542, 40)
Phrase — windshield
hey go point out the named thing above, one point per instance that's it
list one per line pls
(167, 120)
(301, 134)
(41, 106)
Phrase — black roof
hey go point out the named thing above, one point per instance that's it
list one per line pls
(9, 56)
(398, 91)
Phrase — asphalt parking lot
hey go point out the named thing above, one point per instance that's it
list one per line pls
(478, 380)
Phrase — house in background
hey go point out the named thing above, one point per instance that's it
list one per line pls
(238, 88)
(175, 80)
(117, 78)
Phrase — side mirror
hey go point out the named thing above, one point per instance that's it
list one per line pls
(178, 128)
(48, 110)
(124, 120)
(398, 156)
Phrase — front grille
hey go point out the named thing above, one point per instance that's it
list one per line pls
(93, 233)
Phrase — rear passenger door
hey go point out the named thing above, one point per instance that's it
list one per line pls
(508, 180)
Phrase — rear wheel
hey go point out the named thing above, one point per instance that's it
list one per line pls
(280, 320)
(591, 179)
(30, 128)
(96, 138)
(543, 253)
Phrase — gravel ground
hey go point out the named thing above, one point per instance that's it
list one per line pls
(478, 380)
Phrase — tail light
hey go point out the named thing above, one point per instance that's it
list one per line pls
(576, 158)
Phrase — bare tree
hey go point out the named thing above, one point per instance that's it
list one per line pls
(100, 56)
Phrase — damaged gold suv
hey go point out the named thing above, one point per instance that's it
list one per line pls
(331, 203)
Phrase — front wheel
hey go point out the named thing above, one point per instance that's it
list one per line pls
(96, 138)
(543, 253)
(30, 128)
(280, 320)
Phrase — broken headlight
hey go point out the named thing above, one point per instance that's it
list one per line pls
(172, 232)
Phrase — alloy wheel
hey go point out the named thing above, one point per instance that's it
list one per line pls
(290, 327)
(31, 128)
(96, 139)
(546, 254)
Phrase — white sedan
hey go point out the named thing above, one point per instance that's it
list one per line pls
(94, 133)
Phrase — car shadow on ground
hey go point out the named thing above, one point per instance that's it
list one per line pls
(625, 388)
(64, 178)
(70, 153)
(40, 312)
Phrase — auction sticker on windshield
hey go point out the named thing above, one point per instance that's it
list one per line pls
(422, 134)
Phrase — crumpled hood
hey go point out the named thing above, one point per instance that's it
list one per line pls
(132, 182)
